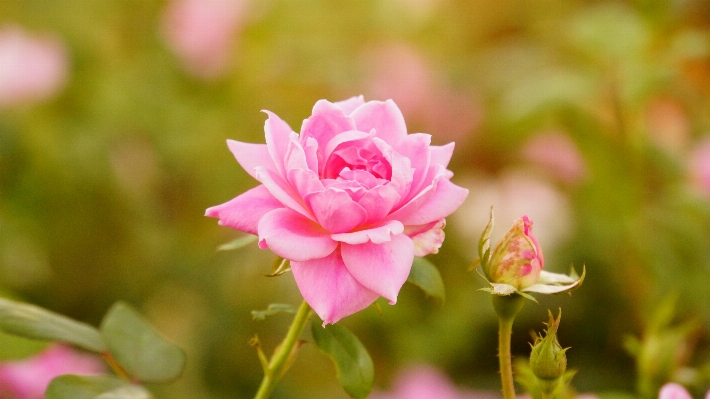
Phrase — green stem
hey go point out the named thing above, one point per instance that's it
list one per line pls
(507, 308)
(279, 361)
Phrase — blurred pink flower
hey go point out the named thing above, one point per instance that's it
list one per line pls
(517, 259)
(700, 166)
(676, 391)
(514, 193)
(29, 378)
(668, 125)
(350, 201)
(202, 33)
(32, 67)
(424, 382)
(557, 155)
(401, 73)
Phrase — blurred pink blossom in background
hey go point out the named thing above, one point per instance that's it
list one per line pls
(699, 166)
(676, 391)
(668, 125)
(514, 193)
(557, 155)
(202, 33)
(425, 382)
(400, 72)
(29, 378)
(32, 67)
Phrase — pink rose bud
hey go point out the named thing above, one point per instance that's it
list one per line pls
(29, 378)
(350, 201)
(517, 259)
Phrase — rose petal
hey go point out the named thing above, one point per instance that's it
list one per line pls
(402, 171)
(377, 235)
(384, 117)
(295, 156)
(330, 289)
(440, 203)
(351, 104)
(415, 147)
(672, 390)
(335, 210)
(244, 212)
(441, 155)
(382, 268)
(293, 237)
(326, 121)
(378, 202)
(250, 156)
(277, 134)
(282, 191)
(427, 238)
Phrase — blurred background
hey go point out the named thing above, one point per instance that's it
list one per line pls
(591, 117)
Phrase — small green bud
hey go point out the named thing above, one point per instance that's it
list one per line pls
(548, 360)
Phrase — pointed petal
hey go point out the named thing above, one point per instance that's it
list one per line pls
(251, 155)
(446, 199)
(441, 155)
(244, 212)
(384, 117)
(330, 289)
(335, 210)
(382, 268)
(351, 104)
(428, 238)
(277, 134)
(293, 237)
(282, 191)
(376, 235)
(326, 121)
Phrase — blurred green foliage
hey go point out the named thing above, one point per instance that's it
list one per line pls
(103, 187)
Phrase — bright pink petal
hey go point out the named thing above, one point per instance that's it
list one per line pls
(330, 289)
(384, 117)
(304, 181)
(382, 268)
(351, 104)
(282, 191)
(295, 156)
(250, 156)
(378, 202)
(345, 137)
(293, 237)
(244, 212)
(446, 199)
(402, 171)
(441, 155)
(311, 149)
(326, 121)
(335, 210)
(277, 134)
(415, 147)
(377, 235)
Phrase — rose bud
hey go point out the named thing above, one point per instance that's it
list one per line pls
(517, 259)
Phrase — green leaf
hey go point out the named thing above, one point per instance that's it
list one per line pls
(353, 364)
(31, 321)
(272, 309)
(138, 348)
(238, 243)
(94, 387)
(427, 277)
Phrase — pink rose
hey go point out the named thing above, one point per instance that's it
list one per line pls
(349, 201)
(29, 378)
(32, 68)
(517, 259)
(424, 382)
(556, 154)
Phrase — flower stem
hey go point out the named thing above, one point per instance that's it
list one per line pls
(507, 308)
(279, 362)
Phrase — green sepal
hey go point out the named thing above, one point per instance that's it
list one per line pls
(484, 243)
(237, 243)
(279, 267)
(426, 276)
(34, 322)
(143, 353)
(272, 309)
(354, 367)
(254, 342)
(94, 387)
